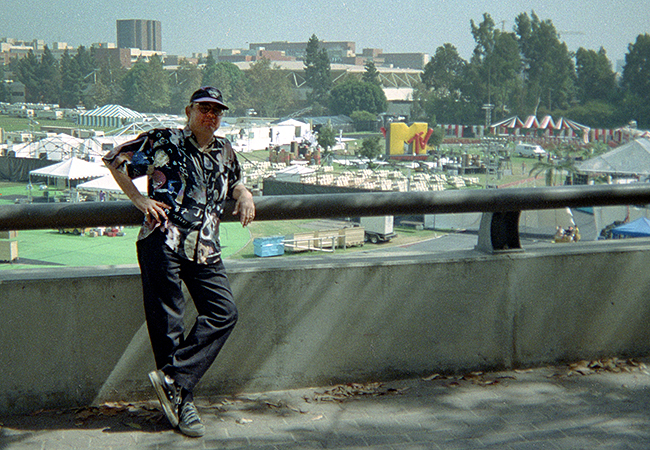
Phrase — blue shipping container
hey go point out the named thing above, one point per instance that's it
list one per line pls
(269, 246)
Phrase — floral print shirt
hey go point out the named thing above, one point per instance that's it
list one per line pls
(194, 183)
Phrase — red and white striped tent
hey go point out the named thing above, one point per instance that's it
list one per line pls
(531, 123)
(453, 130)
(573, 129)
(507, 125)
(628, 133)
(547, 123)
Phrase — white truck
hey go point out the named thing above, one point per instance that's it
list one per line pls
(378, 229)
(530, 150)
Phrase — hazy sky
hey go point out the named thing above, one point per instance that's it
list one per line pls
(394, 26)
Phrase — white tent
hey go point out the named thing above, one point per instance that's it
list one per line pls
(71, 169)
(632, 158)
(293, 173)
(54, 147)
(59, 147)
(109, 116)
(108, 184)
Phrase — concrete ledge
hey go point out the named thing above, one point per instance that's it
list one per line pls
(75, 336)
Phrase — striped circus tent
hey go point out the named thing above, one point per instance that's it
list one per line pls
(531, 123)
(547, 123)
(110, 116)
(573, 129)
(566, 124)
(509, 123)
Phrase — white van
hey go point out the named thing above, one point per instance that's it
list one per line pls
(531, 150)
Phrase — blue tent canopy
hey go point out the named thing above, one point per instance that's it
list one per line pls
(637, 228)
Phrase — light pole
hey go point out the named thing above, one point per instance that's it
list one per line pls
(488, 107)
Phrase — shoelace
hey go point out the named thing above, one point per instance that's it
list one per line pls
(190, 414)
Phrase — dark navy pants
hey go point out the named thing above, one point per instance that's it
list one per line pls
(185, 358)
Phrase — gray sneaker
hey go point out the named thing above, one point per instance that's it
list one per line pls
(190, 423)
(168, 394)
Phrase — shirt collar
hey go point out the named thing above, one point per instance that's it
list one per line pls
(187, 133)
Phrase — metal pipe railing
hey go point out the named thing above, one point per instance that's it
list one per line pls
(496, 201)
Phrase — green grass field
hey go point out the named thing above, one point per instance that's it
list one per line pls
(49, 248)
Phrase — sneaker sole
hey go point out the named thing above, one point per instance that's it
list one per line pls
(192, 433)
(157, 381)
(194, 429)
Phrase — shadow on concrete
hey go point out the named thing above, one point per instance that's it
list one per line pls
(543, 408)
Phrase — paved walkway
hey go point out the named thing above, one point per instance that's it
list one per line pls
(547, 408)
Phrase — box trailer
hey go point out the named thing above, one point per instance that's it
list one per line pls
(378, 229)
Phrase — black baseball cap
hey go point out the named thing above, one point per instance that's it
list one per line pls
(208, 94)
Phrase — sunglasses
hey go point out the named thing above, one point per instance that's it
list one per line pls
(206, 108)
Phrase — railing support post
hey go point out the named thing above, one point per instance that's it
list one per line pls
(499, 232)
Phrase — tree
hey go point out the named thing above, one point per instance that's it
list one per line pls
(548, 65)
(636, 81)
(269, 90)
(107, 80)
(86, 64)
(49, 78)
(444, 72)
(326, 137)
(146, 86)
(27, 73)
(4, 90)
(594, 113)
(354, 95)
(230, 80)
(98, 94)
(364, 121)
(551, 169)
(370, 148)
(493, 75)
(436, 137)
(595, 79)
(71, 86)
(371, 74)
(317, 72)
(184, 81)
(431, 106)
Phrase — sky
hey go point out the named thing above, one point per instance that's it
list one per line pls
(393, 26)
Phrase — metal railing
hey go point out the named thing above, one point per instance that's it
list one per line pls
(499, 225)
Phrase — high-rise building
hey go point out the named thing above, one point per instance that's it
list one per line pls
(142, 34)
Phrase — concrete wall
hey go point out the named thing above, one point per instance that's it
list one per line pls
(76, 336)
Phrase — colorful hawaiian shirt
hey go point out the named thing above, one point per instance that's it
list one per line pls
(194, 183)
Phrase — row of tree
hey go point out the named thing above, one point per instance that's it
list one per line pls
(83, 79)
(530, 71)
(526, 71)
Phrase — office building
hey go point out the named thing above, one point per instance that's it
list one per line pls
(142, 34)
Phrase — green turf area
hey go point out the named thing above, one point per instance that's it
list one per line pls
(49, 248)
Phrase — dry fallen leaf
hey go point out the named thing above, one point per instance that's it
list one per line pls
(342, 392)
(613, 365)
(434, 376)
(243, 421)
